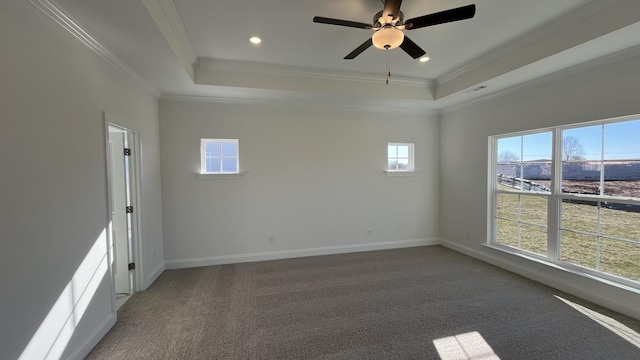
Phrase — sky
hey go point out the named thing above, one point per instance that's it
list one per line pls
(621, 141)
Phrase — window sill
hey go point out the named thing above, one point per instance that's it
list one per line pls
(399, 173)
(561, 267)
(229, 176)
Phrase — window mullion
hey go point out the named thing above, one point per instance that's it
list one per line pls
(554, 205)
(599, 234)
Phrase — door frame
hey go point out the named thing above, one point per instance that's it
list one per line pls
(136, 234)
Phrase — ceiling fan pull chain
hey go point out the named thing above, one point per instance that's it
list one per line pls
(388, 65)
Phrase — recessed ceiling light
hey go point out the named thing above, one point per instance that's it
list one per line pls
(255, 40)
(424, 59)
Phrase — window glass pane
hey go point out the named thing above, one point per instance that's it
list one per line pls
(229, 149)
(229, 164)
(581, 177)
(537, 148)
(621, 140)
(509, 167)
(533, 209)
(212, 149)
(403, 164)
(403, 151)
(622, 178)
(583, 143)
(580, 216)
(392, 151)
(578, 249)
(509, 149)
(213, 165)
(533, 238)
(507, 232)
(536, 168)
(508, 206)
(393, 164)
(509, 182)
(620, 258)
(537, 176)
(620, 221)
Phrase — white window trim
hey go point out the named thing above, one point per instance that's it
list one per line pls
(398, 172)
(222, 176)
(554, 203)
(204, 173)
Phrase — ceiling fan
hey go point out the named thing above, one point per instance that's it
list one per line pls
(389, 23)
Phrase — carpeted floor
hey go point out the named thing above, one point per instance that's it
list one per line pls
(417, 303)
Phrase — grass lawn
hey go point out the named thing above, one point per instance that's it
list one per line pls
(580, 243)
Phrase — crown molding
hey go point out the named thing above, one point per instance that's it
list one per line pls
(55, 12)
(610, 59)
(548, 29)
(305, 72)
(166, 16)
(297, 103)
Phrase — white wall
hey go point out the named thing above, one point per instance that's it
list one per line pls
(314, 180)
(606, 92)
(53, 90)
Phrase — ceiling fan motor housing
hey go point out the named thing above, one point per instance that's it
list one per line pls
(379, 21)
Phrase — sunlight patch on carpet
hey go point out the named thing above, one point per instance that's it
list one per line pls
(610, 324)
(469, 346)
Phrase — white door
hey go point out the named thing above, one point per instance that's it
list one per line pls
(121, 219)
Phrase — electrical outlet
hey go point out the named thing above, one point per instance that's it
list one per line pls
(271, 239)
(369, 232)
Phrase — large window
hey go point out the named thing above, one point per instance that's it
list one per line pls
(219, 156)
(571, 195)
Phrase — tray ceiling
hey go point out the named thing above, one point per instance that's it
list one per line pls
(200, 49)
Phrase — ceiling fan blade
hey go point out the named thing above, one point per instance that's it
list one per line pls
(347, 23)
(365, 45)
(411, 48)
(391, 8)
(461, 13)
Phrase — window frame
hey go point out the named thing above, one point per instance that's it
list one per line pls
(203, 157)
(411, 158)
(554, 204)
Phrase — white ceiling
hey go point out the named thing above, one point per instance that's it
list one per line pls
(200, 48)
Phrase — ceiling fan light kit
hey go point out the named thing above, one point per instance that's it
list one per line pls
(388, 38)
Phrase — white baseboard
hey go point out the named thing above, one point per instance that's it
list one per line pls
(286, 254)
(153, 276)
(94, 339)
(597, 294)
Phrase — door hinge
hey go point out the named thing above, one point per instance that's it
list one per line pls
(129, 209)
(132, 266)
(127, 152)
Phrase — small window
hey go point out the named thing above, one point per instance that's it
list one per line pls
(219, 156)
(400, 157)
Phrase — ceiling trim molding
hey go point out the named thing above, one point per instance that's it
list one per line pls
(313, 73)
(166, 16)
(545, 30)
(296, 103)
(55, 12)
(610, 59)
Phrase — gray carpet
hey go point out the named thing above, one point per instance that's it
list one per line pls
(394, 304)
